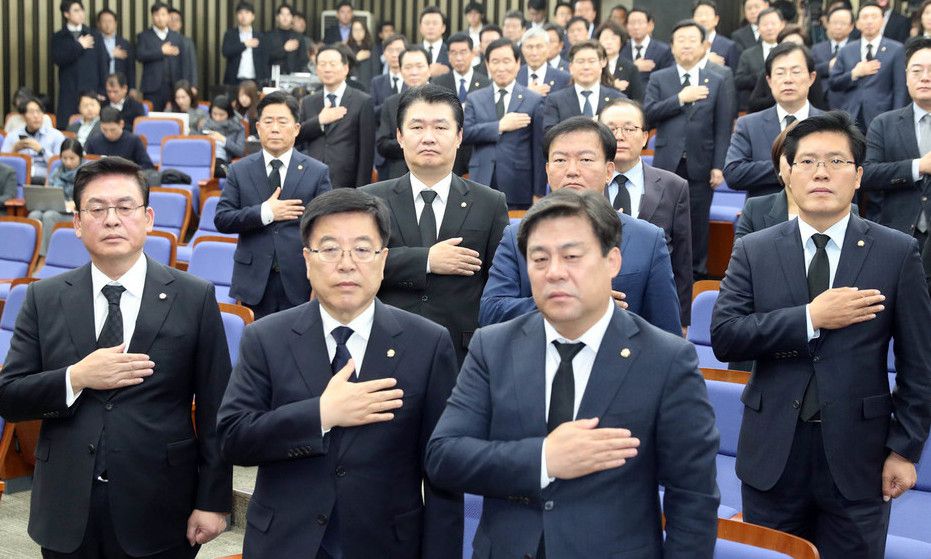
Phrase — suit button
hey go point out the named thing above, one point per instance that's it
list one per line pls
(796, 404)
(322, 519)
(424, 298)
(340, 472)
(816, 358)
(91, 448)
(548, 505)
(108, 406)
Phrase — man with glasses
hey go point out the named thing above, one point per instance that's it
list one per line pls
(110, 356)
(814, 301)
(263, 200)
(335, 399)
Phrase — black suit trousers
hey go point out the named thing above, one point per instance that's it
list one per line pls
(700, 194)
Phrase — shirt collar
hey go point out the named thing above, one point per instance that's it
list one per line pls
(595, 89)
(162, 34)
(540, 72)
(800, 114)
(839, 44)
(441, 188)
(361, 325)
(340, 90)
(555, 61)
(837, 232)
(285, 157)
(133, 280)
(74, 27)
(634, 174)
(710, 37)
(645, 43)
(591, 337)
(509, 87)
(436, 46)
(692, 72)
(875, 42)
(467, 77)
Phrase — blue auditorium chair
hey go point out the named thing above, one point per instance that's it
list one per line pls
(212, 260)
(10, 310)
(192, 155)
(205, 227)
(172, 210)
(161, 247)
(19, 249)
(235, 320)
(700, 329)
(65, 252)
(154, 129)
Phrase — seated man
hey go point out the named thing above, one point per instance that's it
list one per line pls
(37, 139)
(115, 140)
(89, 123)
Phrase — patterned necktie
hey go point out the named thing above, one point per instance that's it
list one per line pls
(499, 106)
(462, 90)
(836, 48)
(427, 219)
(112, 332)
(869, 52)
(587, 106)
(341, 334)
(562, 395)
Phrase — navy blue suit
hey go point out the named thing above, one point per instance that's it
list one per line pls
(160, 72)
(369, 476)
(381, 90)
(489, 442)
(565, 104)
(867, 97)
(657, 51)
(744, 38)
(79, 69)
(556, 79)
(260, 246)
(749, 164)
(646, 278)
(511, 162)
(727, 49)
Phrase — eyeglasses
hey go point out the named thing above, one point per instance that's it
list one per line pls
(333, 254)
(99, 213)
(626, 131)
(919, 71)
(835, 164)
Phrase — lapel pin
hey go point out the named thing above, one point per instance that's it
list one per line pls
(463, 204)
(162, 296)
(706, 80)
(860, 243)
(390, 353)
(520, 96)
(882, 49)
(552, 83)
(476, 84)
(300, 167)
(625, 353)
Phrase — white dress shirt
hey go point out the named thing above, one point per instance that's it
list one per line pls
(581, 369)
(756, 31)
(875, 42)
(612, 65)
(555, 61)
(634, 44)
(161, 33)
(134, 282)
(838, 44)
(339, 91)
(540, 72)
(837, 232)
(268, 215)
(766, 48)
(692, 72)
(457, 77)
(436, 48)
(799, 115)
(635, 187)
(74, 28)
(246, 62)
(919, 113)
(391, 77)
(592, 99)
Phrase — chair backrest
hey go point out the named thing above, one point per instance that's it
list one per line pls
(702, 305)
(206, 226)
(14, 301)
(212, 260)
(235, 319)
(65, 252)
(701, 286)
(20, 238)
(193, 155)
(154, 129)
(162, 247)
(172, 210)
(21, 163)
(756, 539)
(724, 389)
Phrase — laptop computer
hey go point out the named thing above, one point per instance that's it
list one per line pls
(41, 198)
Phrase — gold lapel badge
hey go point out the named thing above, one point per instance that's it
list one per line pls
(625, 353)
(391, 353)
(860, 243)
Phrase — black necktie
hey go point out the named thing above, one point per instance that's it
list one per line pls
(427, 219)
(562, 396)
(112, 332)
(587, 106)
(430, 50)
(394, 85)
(622, 199)
(819, 279)
(686, 80)
(342, 356)
(462, 90)
(331, 97)
(789, 119)
(499, 106)
(869, 51)
(274, 178)
(533, 78)
(639, 54)
(836, 48)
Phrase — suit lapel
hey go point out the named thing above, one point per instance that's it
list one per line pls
(610, 367)
(293, 178)
(517, 98)
(158, 295)
(907, 131)
(457, 208)
(652, 193)
(308, 347)
(779, 212)
(259, 177)
(791, 254)
(853, 254)
(529, 367)
(382, 354)
(405, 216)
(771, 126)
(77, 301)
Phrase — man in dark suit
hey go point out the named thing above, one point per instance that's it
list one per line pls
(824, 445)
(447, 228)
(647, 53)
(188, 49)
(340, 31)
(110, 356)
(654, 195)
(82, 60)
(432, 26)
(693, 119)
(263, 200)
(573, 417)
(790, 73)
(869, 73)
(749, 35)
(896, 27)
(462, 80)
(587, 96)
(119, 98)
(556, 34)
(897, 161)
(504, 126)
(284, 46)
(316, 403)
(119, 50)
(391, 82)
(338, 123)
(161, 52)
(720, 49)
(536, 74)
(244, 49)
(415, 69)
(839, 29)
(645, 285)
(753, 60)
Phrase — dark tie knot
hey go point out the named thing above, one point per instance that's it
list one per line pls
(332, 99)
(502, 92)
(113, 294)
(820, 240)
(341, 334)
(620, 181)
(533, 77)
(586, 93)
(567, 352)
(428, 196)
(789, 119)
(276, 164)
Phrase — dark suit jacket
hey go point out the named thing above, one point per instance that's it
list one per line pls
(157, 68)
(290, 62)
(646, 278)
(761, 98)
(891, 145)
(823, 53)
(761, 212)
(232, 50)
(727, 49)
(347, 146)
(760, 315)
(159, 469)
(371, 475)
(386, 140)
(474, 212)
(702, 129)
(898, 27)
(514, 159)
(240, 211)
(565, 104)
(749, 164)
(131, 110)
(489, 442)
(657, 51)
(381, 90)
(332, 35)
(867, 97)
(76, 125)
(127, 66)
(441, 57)
(625, 70)
(749, 69)
(79, 69)
(556, 79)
(479, 81)
(744, 38)
(189, 66)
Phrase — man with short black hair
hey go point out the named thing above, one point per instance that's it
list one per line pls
(749, 35)
(285, 47)
(114, 141)
(619, 15)
(585, 9)
(82, 60)
(340, 31)
(415, 70)
(513, 26)
(489, 34)
(37, 139)
(586, 97)
(554, 58)
(647, 53)
(840, 26)
(119, 98)
(387, 84)
(189, 72)
(161, 51)
(119, 50)
(244, 49)
(536, 14)
(720, 50)
(432, 26)
(752, 60)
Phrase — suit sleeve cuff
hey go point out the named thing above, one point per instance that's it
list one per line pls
(70, 396)
(268, 215)
(544, 478)
(812, 333)
(916, 175)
